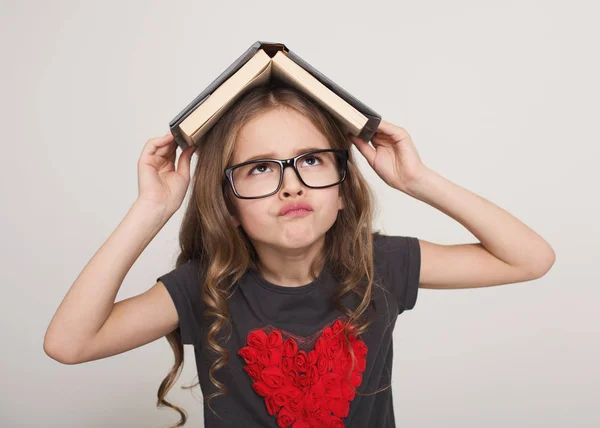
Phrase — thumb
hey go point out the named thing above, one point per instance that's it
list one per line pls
(183, 165)
(363, 146)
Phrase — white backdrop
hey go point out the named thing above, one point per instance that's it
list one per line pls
(501, 98)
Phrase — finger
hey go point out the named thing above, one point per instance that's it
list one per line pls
(154, 144)
(363, 146)
(391, 130)
(183, 165)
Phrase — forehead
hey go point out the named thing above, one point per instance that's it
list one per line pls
(277, 132)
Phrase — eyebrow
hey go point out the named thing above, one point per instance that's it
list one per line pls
(272, 155)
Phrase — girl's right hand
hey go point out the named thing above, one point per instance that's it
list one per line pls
(158, 181)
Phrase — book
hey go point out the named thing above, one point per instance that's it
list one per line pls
(261, 63)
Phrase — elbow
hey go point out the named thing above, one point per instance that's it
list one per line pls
(58, 352)
(544, 264)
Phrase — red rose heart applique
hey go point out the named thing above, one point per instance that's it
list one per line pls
(305, 390)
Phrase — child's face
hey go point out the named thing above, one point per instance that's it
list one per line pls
(282, 133)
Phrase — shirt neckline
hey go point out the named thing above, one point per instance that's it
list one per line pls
(289, 290)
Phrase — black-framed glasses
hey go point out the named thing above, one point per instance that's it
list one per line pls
(260, 178)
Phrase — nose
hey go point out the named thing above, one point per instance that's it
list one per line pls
(291, 183)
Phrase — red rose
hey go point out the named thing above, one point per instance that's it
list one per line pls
(302, 380)
(300, 361)
(300, 423)
(342, 365)
(297, 402)
(337, 326)
(253, 371)
(345, 346)
(326, 402)
(332, 348)
(311, 402)
(257, 339)
(320, 345)
(290, 347)
(269, 357)
(347, 391)
(361, 364)
(285, 417)
(355, 379)
(302, 414)
(331, 383)
(281, 396)
(318, 389)
(292, 377)
(359, 347)
(312, 357)
(274, 339)
(336, 422)
(249, 354)
(319, 417)
(273, 376)
(287, 364)
(340, 407)
(313, 374)
(272, 408)
(327, 333)
(341, 359)
(262, 388)
(323, 364)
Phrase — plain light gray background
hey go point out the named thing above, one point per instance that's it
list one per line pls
(501, 98)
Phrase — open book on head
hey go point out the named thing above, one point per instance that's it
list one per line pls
(259, 65)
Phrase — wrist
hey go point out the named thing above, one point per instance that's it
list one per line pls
(420, 179)
(154, 211)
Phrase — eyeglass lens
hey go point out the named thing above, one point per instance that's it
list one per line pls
(262, 178)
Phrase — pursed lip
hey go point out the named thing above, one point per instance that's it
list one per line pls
(295, 206)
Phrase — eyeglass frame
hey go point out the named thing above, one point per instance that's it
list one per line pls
(284, 163)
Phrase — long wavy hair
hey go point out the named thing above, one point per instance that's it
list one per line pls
(208, 232)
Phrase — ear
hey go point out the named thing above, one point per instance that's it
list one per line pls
(231, 207)
(235, 220)
(340, 203)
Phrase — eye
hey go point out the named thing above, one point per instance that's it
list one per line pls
(257, 167)
(312, 157)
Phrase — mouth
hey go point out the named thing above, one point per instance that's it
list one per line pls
(296, 209)
(297, 213)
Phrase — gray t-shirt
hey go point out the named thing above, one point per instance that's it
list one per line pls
(284, 368)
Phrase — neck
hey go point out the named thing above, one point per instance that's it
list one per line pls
(290, 268)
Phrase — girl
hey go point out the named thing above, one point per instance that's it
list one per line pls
(287, 295)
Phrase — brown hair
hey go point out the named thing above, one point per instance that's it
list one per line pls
(208, 229)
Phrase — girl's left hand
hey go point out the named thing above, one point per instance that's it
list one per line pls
(393, 156)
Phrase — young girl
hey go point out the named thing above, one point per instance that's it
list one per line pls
(287, 295)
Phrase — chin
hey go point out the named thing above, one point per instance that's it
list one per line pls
(298, 237)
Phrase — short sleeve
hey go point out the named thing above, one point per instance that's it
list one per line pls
(184, 285)
(400, 259)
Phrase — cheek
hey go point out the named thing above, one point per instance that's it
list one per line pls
(331, 205)
(253, 213)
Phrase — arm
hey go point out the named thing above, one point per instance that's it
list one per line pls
(88, 324)
(508, 251)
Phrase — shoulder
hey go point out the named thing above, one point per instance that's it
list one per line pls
(396, 249)
(398, 260)
(186, 278)
(393, 242)
(184, 284)
(192, 268)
